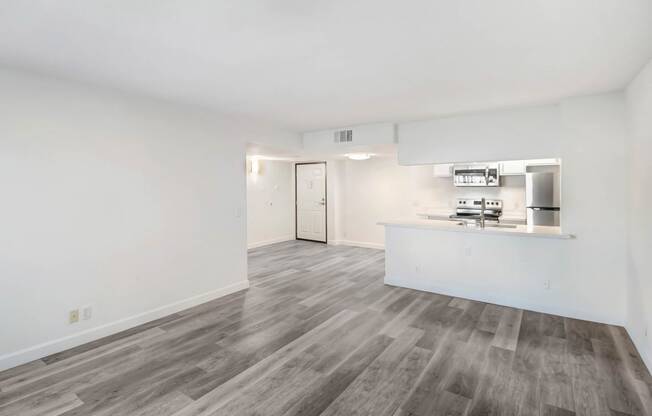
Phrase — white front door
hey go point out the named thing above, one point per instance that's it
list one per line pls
(311, 201)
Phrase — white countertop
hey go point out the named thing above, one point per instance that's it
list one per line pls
(444, 214)
(444, 225)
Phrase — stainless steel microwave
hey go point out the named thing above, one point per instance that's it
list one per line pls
(476, 175)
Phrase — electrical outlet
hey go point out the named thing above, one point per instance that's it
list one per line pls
(87, 312)
(646, 332)
(73, 316)
(468, 251)
(546, 284)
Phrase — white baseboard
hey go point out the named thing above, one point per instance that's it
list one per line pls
(642, 348)
(377, 246)
(268, 242)
(51, 347)
(499, 299)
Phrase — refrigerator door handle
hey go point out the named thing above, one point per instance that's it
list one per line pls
(544, 208)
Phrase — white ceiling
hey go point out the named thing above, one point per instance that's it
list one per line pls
(327, 63)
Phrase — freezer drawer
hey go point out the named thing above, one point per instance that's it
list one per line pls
(543, 216)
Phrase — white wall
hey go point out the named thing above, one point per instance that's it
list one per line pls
(133, 206)
(336, 200)
(270, 203)
(639, 151)
(370, 192)
(588, 134)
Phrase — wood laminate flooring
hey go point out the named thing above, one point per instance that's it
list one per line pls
(319, 334)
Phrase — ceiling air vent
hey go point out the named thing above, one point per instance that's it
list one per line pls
(343, 136)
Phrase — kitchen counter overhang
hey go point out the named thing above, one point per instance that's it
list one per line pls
(453, 226)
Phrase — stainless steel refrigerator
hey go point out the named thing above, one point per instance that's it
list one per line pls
(540, 200)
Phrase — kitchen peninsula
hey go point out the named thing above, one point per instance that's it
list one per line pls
(517, 265)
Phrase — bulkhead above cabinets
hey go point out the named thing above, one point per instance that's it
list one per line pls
(346, 138)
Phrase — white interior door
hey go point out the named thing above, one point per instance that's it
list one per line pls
(311, 201)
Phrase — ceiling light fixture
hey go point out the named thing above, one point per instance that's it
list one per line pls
(359, 156)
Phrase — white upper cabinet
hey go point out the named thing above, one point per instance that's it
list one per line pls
(512, 167)
(444, 170)
(519, 167)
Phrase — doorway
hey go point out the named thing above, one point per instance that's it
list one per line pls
(310, 201)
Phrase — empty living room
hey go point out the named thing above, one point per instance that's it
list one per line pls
(285, 207)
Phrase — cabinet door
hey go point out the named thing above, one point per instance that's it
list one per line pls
(443, 170)
(512, 167)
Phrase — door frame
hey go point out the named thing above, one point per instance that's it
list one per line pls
(296, 211)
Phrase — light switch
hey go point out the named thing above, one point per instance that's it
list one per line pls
(87, 312)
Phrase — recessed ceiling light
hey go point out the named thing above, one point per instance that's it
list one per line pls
(359, 156)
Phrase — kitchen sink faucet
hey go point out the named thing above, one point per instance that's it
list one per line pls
(483, 206)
